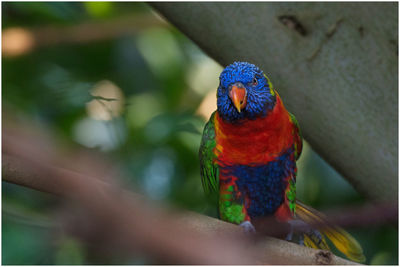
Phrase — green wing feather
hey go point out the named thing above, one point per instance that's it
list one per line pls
(208, 167)
(298, 142)
(298, 147)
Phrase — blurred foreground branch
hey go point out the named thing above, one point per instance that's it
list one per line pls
(128, 223)
(17, 41)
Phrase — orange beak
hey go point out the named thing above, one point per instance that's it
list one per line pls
(238, 95)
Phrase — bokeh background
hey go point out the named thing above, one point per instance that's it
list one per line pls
(118, 79)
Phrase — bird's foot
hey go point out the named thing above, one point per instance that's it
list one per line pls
(316, 233)
(247, 227)
(289, 236)
(297, 226)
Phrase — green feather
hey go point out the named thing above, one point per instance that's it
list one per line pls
(291, 195)
(297, 146)
(209, 168)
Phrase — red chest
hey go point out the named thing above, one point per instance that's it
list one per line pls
(254, 141)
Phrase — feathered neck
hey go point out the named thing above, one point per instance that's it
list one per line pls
(254, 141)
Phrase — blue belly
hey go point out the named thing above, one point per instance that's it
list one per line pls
(264, 185)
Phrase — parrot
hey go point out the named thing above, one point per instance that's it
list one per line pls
(248, 155)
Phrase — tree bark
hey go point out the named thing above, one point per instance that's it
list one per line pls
(335, 66)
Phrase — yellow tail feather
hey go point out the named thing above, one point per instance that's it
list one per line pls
(342, 240)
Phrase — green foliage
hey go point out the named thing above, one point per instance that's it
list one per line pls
(154, 134)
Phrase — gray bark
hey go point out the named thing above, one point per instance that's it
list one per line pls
(335, 66)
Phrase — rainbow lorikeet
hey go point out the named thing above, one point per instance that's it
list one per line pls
(248, 159)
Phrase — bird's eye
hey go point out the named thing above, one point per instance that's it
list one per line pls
(254, 82)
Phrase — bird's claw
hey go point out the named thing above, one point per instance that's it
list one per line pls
(289, 236)
(247, 227)
(295, 225)
(301, 228)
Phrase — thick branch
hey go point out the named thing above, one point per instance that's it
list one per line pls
(334, 64)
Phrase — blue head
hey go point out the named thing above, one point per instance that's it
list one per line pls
(243, 93)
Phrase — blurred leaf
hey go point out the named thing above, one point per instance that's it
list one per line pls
(161, 51)
(141, 108)
(167, 125)
(70, 252)
(44, 12)
(99, 9)
(381, 258)
(24, 244)
(187, 127)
